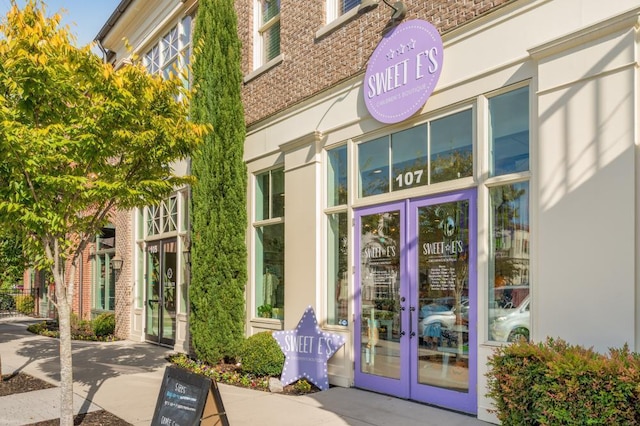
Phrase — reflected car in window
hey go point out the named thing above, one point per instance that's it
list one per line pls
(436, 318)
(514, 325)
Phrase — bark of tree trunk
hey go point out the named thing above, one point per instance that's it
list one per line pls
(66, 365)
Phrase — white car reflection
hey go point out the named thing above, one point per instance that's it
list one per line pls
(514, 325)
(437, 318)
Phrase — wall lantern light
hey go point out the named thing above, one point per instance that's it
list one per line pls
(116, 262)
(398, 14)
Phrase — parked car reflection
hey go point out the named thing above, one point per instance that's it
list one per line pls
(512, 326)
(437, 319)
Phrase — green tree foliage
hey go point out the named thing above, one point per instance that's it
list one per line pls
(78, 139)
(12, 260)
(219, 197)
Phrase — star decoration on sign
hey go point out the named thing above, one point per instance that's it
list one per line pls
(307, 350)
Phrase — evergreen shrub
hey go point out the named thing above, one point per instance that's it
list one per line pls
(7, 302)
(557, 383)
(260, 354)
(25, 304)
(104, 324)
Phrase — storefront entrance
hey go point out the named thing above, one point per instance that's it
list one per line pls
(160, 295)
(416, 300)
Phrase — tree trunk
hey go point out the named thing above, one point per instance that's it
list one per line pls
(66, 365)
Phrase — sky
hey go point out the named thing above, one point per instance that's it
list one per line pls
(84, 17)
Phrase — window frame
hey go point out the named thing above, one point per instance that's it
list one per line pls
(259, 224)
(260, 57)
(102, 257)
(501, 180)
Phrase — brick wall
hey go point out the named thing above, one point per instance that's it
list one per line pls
(123, 220)
(312, 65)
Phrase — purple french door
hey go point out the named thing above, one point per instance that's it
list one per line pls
(416, 300)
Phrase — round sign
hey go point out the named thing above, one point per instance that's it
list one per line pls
(403, 71)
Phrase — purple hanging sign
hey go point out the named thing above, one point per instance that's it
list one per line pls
(403, 71)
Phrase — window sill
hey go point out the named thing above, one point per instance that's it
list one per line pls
(337, 23)
(266, 67)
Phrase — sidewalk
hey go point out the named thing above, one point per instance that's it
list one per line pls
(124, 378)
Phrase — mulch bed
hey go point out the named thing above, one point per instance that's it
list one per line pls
(21, 382)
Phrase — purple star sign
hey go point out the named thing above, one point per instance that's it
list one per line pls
(307, 350)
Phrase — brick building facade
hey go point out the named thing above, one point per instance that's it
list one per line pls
(427, 242)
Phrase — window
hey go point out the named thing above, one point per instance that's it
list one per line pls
(269, 259)
(337, 238)
(438, 151)
(337, 8)
(509, 127)
(508, 299)
(162, 218)
(104, 279)
(171, 54)
(268, 36)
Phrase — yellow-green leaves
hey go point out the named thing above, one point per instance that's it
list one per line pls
(77, 136)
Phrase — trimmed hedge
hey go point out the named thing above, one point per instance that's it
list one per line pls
(261, 355)
(104, 324)
(554, 383)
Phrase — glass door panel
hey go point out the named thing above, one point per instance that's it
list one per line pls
(169, 253)
(382, 339)
(379, 295)
(153, 292)
(415, 300)
(444, 294)
(161, 291)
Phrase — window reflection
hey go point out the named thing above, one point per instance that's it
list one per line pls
(509, 263)
(451, 147)
(509, 127)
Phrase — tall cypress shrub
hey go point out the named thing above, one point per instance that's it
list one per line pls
(218, 253)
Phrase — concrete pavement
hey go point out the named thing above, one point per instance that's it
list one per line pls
(124, 378)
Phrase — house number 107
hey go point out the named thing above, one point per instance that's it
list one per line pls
(409, 178)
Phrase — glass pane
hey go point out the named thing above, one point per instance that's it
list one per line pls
(101, 282)
(443, 295)
(169, 290)
(271, 42)
(337, 176)
(262, 196)
(170, 45)
(338, 279)
(347, 5)
(185, 36)
(270, 271)
(153, 289)
(107, 239)
(409, 152)
(111, 289)
(380, 294)
(509, 263)
(270, 8)
(373, 167)
(452, 147)
(509, 132)
(277, 190)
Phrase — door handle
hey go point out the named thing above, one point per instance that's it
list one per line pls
(412, 309)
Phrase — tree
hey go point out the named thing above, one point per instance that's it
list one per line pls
(218, 252)
(79, 139)
(12, 260)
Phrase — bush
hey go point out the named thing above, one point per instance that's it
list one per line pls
(557, 383)
(25, 304)
(104, 324)
(7, 302)
(260, 354)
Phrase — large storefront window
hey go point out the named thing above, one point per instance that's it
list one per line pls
(438, 151)
(104, 279)
(508, 309)
(269, 225)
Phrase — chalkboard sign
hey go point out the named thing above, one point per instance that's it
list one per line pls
(188, 399)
